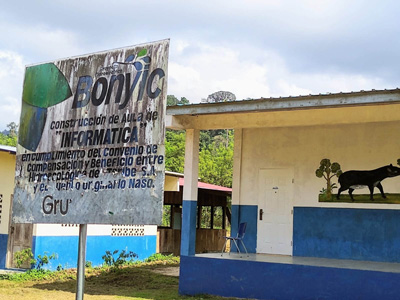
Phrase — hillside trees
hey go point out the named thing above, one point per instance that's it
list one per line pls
(215, 157)
(9, 137)
(216, 151)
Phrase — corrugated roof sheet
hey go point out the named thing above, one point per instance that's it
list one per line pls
(302, 96)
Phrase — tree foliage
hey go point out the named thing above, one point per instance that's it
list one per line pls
(221, 96)
(216, 160)
(215, 157)
(10, 138)
(172, 100)
(216, 150)
(174, 151)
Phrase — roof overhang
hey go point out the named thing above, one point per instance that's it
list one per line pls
(342, 108)
(9, 149)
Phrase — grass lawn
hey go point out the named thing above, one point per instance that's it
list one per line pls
(130, 282)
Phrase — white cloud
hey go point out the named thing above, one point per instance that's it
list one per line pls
(211, 69)
(251, 73)
(11, 76)
(44, 43)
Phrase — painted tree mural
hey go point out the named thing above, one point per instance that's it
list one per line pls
(328, 170)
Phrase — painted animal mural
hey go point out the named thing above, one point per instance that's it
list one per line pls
(358, 179)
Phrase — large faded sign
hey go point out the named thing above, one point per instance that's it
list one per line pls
(91, 140)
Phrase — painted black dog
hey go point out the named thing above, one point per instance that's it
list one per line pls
(358, 179)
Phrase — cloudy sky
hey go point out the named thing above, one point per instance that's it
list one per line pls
(253, 48)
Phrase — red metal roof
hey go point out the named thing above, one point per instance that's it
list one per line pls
(208, 186)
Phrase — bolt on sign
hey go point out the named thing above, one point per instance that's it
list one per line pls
(91, 140)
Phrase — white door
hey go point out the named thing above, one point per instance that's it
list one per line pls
(275, 208)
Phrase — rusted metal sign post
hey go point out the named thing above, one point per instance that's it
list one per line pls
(91, 140)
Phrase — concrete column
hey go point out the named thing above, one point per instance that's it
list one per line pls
(189, 204)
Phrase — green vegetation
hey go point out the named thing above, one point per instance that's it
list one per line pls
(215, 157)
(172, 100)
(31, 275)
(10, 139)
(155, 279)
(161, 258)
(174, 150)
(215, 162)
(124, 257)
(25, 257)
(216, 151)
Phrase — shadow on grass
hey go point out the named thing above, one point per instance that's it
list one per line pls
(128, 282)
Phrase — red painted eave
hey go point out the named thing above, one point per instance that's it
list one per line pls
(208, 186)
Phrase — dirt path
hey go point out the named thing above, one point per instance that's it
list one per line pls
(170, 271)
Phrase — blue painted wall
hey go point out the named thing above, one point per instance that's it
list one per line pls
(67, 248)
(260, 280)
(245, 213)
(359, 234)
(3, 250)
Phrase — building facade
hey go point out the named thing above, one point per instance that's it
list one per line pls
(279, 144)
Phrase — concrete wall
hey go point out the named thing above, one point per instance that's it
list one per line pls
(244, 278)
(7, 173)
(355, 146)
(358, 234)
(248, 214)
(63, 240)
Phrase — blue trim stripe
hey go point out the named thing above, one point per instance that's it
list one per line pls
(3, 250)
(188, 238)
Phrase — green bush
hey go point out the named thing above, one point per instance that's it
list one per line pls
(158, 257)
(124, 258)
(26, 256)
(32, 275)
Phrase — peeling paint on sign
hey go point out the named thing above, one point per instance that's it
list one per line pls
(91, 142)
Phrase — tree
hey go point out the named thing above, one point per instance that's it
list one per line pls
(216, 149)
(13, 129)
(10, 139)
(172, 101)
(328, 171)
(184, 101)
(215, 157)
(175, 150)
(221, 96)
(216, 162)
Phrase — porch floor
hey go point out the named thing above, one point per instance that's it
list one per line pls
(279, 277)
(309, 261)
